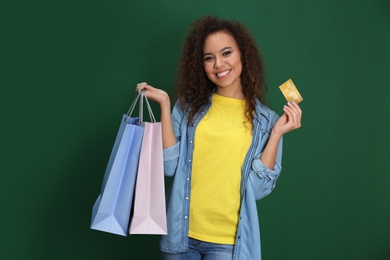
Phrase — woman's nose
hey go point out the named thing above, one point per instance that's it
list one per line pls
(218, 63)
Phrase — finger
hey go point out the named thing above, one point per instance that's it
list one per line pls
(288, 111)
(296, 109)
(141, 86)
(290, 115)
(293, 116)
(297, 106)
(294, 106)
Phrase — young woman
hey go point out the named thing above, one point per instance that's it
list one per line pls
(221, 143)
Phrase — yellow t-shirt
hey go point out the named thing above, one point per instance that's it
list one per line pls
(221, 143)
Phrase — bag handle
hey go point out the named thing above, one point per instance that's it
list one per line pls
(130, 111)
(152, 118)
(141, 108)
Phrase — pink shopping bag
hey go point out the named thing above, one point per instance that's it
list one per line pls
(149, 203)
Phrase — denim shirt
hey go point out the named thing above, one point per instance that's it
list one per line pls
(257, 182)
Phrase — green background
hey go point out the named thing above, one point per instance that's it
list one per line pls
(69, 70)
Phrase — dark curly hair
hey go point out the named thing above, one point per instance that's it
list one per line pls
(193, 87)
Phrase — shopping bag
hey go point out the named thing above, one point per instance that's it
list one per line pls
(149, 215)
(111, 211)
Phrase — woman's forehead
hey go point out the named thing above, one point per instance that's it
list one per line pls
(219, 40)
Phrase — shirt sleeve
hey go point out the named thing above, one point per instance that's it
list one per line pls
(171, 154)
(263, 178)
(171, 158)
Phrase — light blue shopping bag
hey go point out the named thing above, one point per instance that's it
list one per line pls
(111, 211)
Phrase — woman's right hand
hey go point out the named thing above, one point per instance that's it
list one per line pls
(155, 94)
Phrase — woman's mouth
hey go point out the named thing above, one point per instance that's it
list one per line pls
(223, 73)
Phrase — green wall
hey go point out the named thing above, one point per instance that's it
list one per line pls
(69, 70)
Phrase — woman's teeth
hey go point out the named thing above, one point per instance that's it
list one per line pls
(223, 73)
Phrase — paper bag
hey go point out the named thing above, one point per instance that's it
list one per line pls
(111, 211)
(149, 203)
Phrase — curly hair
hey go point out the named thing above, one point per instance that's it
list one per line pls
(193, 87)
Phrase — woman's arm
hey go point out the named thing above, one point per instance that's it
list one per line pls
(162, 98)
(290, 120)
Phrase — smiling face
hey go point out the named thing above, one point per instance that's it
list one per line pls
(222, 64)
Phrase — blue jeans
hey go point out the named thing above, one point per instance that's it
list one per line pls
(199, 250)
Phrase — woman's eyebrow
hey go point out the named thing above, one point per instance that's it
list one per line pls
(226, 48)
(221, 50)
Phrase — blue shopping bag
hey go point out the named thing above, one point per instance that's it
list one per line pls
(111, 211)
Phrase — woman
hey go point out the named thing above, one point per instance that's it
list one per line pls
(221, 143)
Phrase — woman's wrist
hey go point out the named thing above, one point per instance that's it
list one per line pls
(165, 104)
(275, 135)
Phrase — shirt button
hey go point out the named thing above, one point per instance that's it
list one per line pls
(189, 160)
(186, 198)
(191, 141)
(193, 124)
(188, 179)
(185, 217)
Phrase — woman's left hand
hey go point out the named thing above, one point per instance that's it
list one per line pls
(290, 120)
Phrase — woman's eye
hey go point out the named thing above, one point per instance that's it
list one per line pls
(226, 53)
(208, 58)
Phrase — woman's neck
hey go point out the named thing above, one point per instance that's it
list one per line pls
(231, 93)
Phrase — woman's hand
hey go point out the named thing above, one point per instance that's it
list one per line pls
(157, 95)
(161, 97)
(290, 120)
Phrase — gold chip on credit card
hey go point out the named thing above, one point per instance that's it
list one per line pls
(290, 92)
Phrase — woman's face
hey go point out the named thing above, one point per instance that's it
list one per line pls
(222, 64)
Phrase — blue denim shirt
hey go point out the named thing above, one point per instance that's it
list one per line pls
(257, 182)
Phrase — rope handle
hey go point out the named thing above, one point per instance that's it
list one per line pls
(141, 108)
